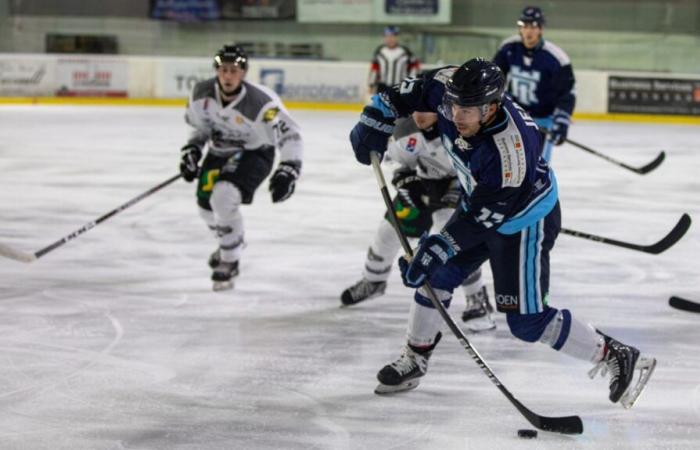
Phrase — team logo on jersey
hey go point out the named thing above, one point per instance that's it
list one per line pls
(238, 120)
(270, 114)
(462, 144)
(523, 84)
(411, 144)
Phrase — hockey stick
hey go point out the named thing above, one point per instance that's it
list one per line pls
(683, 304)
(664, 244)
(18, 255)
(565, 425)
(640, 170)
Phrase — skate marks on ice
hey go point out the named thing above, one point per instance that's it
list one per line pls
(119, 332)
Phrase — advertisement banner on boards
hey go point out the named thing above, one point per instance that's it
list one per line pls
(178, 77)
(314, 82)
(22, 76)
(374, 11)
(92, 77)
(673, 96)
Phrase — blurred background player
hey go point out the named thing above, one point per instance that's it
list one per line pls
(391, 62)
(540, 77)
(427, 194)
(509, 215)
(241, 123)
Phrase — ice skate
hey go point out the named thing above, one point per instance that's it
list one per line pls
(477, 314)
(362, 290)
(404, 374)
(215, 258)
(622, 361)
(223, 275)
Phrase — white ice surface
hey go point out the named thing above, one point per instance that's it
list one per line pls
(115, 339)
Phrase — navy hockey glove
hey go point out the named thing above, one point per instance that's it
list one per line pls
(373, 130)
(283, 180)
(433, 252)
(560, 127)
(189, 159)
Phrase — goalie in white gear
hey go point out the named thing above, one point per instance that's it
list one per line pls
(241, 124)
(427, 193)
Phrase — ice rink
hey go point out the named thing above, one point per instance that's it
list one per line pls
(115, 340)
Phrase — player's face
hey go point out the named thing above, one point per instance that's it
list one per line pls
(531, 34)
(469, 119)
(230, 77)
(391, 40)
(424, 120)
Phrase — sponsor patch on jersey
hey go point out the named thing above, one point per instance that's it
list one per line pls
(270, 114)
(511, 151)
(411, 144)
(239, 120)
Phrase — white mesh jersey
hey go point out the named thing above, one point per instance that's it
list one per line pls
(426, 156)
(254, 120)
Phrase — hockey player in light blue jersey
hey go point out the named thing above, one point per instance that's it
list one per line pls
(540, 77)
(509, 215)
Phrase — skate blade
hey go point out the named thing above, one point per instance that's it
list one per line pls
(351, 302)
(481, 324)
(384, 389)
(646, 368)
(222, 286)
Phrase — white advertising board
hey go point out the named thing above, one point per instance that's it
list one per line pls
(92, 77)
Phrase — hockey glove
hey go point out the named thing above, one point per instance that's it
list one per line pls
(189, 160)
(283, 180)
(560, 127)
(373, 130)
(410, 188)
(452, 195)
(433, 252)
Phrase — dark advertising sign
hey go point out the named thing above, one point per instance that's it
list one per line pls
(418, 7)
(654, 95)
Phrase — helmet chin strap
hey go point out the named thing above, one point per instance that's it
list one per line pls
(483, 110)
(229, 94)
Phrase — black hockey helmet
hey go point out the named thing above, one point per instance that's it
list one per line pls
(231, 54)
(531, 15)
(476, 82)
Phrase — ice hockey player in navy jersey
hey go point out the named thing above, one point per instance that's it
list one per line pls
(540, 77)
(509, 216)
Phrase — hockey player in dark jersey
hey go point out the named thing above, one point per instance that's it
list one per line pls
(240, 124)
(509, 216)
(540, 77)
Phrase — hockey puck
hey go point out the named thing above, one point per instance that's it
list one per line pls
(527, 434)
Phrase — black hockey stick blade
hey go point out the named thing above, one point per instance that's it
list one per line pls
(652, 165)
(684, 305)
(563, 425)
(661, 246)
(640, 170)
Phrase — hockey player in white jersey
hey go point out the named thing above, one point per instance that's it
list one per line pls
(427, 193)
(240, 123)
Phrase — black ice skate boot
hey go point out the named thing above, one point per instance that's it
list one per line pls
(477, 314)
(622, 361)
(215, 258)
(224, 274)
(362, 290)
(404, 374)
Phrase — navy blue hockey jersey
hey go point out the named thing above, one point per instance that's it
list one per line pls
(539, 79)
(507, 185)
